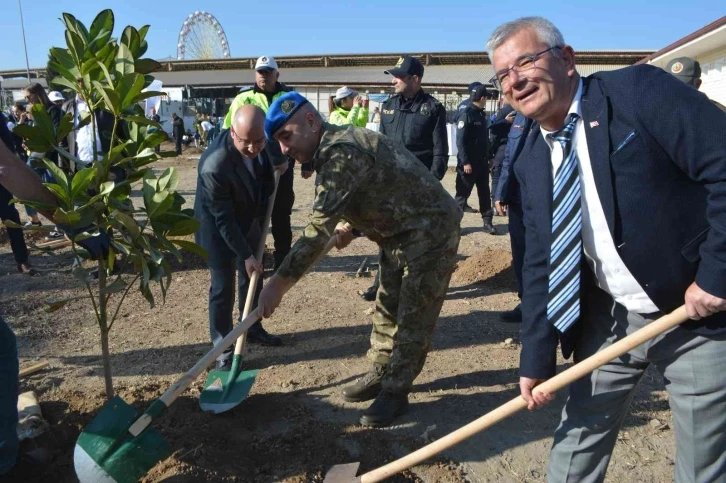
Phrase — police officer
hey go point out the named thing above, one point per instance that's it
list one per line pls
(267, 88)
(472, 168)
(465, 103)
(415, 118)
(418, 121)
(499, 128)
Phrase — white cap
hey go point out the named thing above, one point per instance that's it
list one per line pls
(344, 92)
(55, 96)
(266, 62)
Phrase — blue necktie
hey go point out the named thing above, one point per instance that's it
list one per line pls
(563, 301)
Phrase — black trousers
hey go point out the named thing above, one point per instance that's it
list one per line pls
(222, 293)
(497, 168)
(281, 228)
(465, 184)
(516, 238)
(178, 144)
(17, 239)
(221, 301)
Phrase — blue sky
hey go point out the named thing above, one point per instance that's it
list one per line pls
(279, 27)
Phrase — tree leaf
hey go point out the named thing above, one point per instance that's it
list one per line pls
(191, 247)
(56, 304)
(61, 194)
(130, 37)
(59, 176)
(104, 21)
(169, 179)
(128, 87)
(147, 94)
(64, 128)
(64, 71)
(34, 138)
(160, 203)
(184, 227)
(81, 180)
(128, 222)
(43, 123)
(146, 66)
(76, 48)
(116, 286)
(124, 61)
(110, 98)
(65, 59)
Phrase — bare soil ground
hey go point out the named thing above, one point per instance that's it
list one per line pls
(294, 424)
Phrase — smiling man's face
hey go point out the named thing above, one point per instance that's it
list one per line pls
(543, 93)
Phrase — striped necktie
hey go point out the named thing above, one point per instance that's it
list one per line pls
(563, 301)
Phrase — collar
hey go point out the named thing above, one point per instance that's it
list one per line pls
(278, 88)
(575, 108)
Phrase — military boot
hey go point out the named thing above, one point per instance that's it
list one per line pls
(387, 407)
(488, 227)
(367, 387)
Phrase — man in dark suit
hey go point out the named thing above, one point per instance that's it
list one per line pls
(623, 187)
(233, 186)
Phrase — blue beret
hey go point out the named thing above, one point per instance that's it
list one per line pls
(281, 110)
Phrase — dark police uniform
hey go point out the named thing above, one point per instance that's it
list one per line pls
(472, 141)
(419, 123)
(499, 129)
(465, 103)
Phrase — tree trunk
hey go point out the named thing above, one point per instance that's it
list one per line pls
(103, 325)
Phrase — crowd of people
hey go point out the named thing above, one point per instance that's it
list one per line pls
(614, 186)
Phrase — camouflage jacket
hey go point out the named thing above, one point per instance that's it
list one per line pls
(379, 187)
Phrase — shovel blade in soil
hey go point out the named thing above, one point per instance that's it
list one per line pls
(106, 452)
(222, 392)
(343, 474)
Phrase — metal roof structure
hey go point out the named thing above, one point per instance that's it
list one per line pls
(452, 70)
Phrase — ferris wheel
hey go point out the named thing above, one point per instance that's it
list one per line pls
(202, 37)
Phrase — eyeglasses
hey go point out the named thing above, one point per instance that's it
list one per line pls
(502, 80)
(248, 144)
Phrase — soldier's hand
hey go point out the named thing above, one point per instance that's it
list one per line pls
(343, 235)
(270, 299)
(501, 209)
(467, 169)
(306, 174)
(252, 266)
(510, 117)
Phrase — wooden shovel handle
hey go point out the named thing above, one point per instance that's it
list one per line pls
(33, 369)
(187, 379)
(242, 339)
(552, 385)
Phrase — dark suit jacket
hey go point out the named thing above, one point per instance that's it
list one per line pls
(228, 201)
(659, 159)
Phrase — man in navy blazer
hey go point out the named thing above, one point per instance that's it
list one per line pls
(234, 184)
(648, 233)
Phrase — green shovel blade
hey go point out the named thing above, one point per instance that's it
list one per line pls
(107, 452)
(224, 390)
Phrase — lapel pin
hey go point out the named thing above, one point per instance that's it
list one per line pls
(594, 124)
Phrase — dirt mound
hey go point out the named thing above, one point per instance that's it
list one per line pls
(488, 265)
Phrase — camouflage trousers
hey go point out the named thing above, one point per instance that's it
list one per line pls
(408, 304)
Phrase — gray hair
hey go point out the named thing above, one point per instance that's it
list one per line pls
(546, 31)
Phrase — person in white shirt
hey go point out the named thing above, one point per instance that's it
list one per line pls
(624, 207)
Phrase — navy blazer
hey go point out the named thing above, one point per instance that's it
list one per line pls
(659, 159)
(228, 200)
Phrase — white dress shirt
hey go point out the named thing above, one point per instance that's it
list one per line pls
(84, 135)
(600, 252)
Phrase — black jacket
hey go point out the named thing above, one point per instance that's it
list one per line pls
(499, 129)
(228, 201)
(472, 139)
(177, 129)
(420, 124)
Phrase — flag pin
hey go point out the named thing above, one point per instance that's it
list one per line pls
(594, 124)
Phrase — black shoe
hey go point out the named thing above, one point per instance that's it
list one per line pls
(513, 316)
(367, 387)
(489, 228)
(370, 294)
(469, 209)
(259, 335)
(385, 409)
(224, 365)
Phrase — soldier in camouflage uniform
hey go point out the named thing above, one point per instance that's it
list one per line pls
(364, 178)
